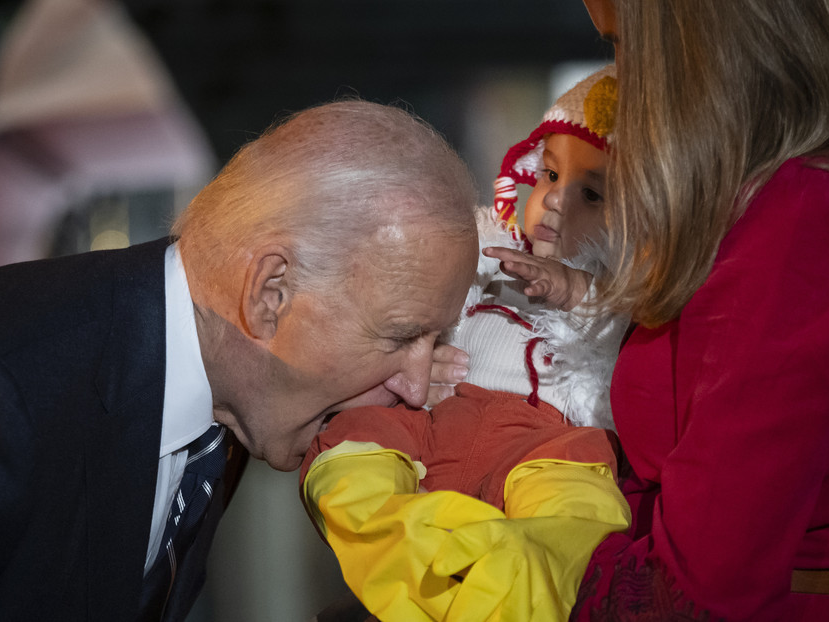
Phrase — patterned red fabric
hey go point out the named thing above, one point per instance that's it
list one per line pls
(724, 417)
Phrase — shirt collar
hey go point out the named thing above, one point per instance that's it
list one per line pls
(188, 402)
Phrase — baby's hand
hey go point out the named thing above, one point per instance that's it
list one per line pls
(449, 366)
(561, 287)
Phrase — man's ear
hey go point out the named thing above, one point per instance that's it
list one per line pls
(265, 297)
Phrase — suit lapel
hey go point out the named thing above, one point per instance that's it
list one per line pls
(123, 441)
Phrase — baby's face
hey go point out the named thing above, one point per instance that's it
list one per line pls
(566, 207)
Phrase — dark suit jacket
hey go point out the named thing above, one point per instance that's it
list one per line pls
(82, 367)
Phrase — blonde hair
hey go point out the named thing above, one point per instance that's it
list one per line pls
(713, 97)
(321, 183)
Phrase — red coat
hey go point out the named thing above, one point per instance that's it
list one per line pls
(724, 417)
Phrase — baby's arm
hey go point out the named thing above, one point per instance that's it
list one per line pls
(561, 286)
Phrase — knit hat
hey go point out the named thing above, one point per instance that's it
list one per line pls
(587, 111)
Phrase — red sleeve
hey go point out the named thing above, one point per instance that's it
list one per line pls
(744, 480)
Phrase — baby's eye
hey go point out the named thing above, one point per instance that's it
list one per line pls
(591, 196)
(548, 175)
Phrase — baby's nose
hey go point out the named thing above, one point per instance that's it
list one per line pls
(561, 197)
(554, 199)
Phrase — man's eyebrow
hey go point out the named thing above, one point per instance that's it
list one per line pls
(406, 331)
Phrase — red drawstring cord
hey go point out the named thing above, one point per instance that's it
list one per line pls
(505, 310)
(532, 398)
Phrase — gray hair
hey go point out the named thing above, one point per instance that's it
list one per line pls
(321, 183)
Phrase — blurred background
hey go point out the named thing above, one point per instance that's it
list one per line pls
(114, 113)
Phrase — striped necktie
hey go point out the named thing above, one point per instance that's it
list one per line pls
(206, 461)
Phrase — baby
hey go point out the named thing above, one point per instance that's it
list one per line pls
(541, 352)
(530, 430)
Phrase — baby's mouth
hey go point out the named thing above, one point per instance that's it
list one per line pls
(544, 233)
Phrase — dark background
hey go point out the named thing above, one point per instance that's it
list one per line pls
(242, 63)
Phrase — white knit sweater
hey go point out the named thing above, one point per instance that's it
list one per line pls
(584, 345)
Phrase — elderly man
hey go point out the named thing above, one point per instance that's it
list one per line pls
(313, 273)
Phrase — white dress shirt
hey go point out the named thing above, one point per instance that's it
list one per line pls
(188, 402)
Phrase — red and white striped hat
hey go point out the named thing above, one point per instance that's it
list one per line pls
(587, 111)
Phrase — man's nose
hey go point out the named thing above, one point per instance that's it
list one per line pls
(411, 383)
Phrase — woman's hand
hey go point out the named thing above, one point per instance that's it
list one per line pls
(561, 286)
(449, 366)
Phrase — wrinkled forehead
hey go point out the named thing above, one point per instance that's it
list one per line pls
(404, 256)
(409, 234)
(417, 282)
(427, 251)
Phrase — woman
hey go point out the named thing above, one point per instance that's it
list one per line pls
(719, 196)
